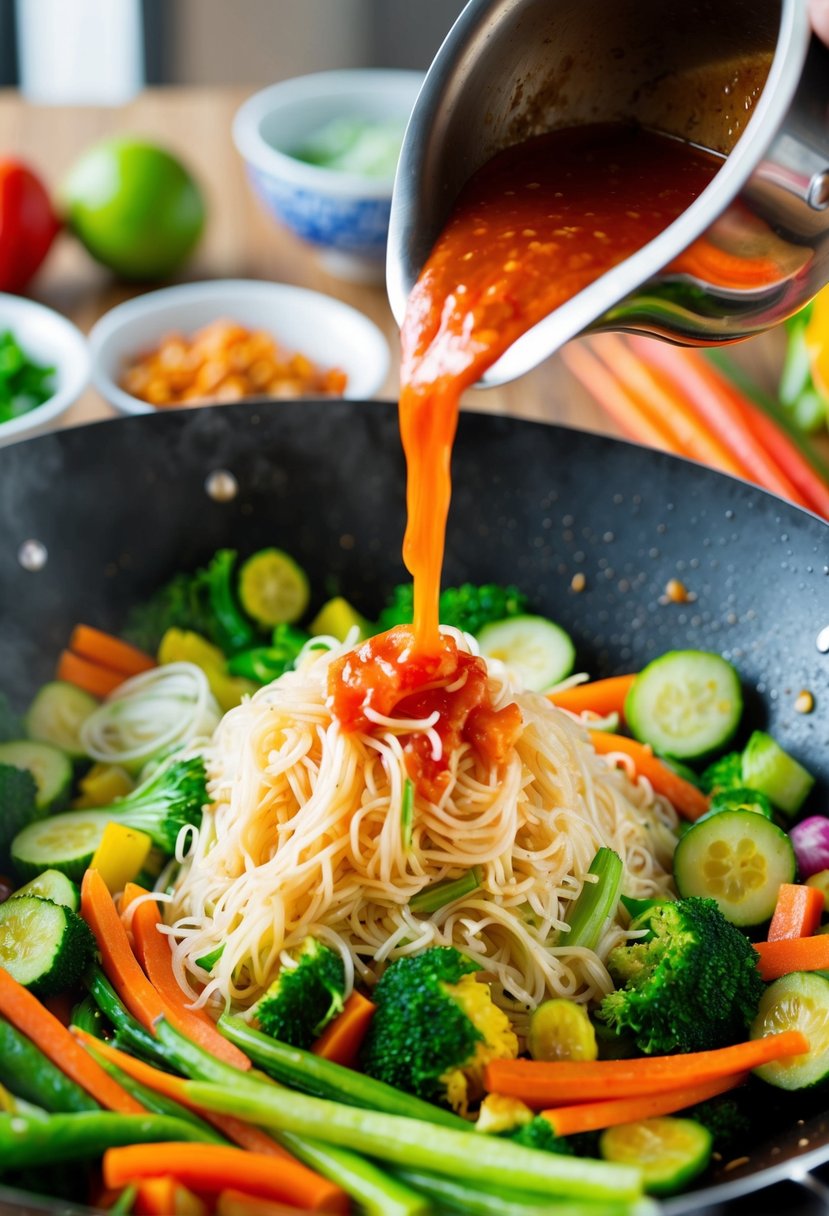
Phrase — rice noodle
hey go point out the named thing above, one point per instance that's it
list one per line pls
(304, 836)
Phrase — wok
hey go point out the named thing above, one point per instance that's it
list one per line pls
(120, 506)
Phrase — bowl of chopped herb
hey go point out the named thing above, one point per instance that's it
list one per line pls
(44, 367)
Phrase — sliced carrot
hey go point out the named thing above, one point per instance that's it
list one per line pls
(625, 411)
(108, 651)
(143, 1000)
(239, 1203)
(798, 954)
(600, 697)
(342, 1039)
(166, 1197)
(213, 1168)
(797, 913)
(96, 680)
(592, 1116)
(539, 1083)
(25, 1012)
(686, 798)
(705, 260)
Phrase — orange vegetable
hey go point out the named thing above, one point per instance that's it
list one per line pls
(797, 913)
(91, 677)
(538, 1083)
(213, 1167)
(690, 802)
(341, 1040)
(239, 1203)
(616, 401)
(25, 1012)
(797, 954)
(166, 1197)
(591, 1116)
(108, 651)
(600, 697)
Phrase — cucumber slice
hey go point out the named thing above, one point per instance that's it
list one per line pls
(685, 704)
(670, 1152)
(767, 768)
(51, 769)
(538, 651)
(44, 946)
(57, 714)
(53, 885)
(799, 1001)
(63, 842)
(272, 588)
(739, 859)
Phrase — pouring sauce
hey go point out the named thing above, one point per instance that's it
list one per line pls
(533, 227)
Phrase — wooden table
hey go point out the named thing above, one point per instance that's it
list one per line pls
(240, 240)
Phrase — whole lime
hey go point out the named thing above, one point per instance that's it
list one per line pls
(134, 206)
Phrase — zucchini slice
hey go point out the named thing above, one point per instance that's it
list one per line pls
(53, 885)
(273, 589)
(670, 1152)
(738, 858)
(44, 946)
(767, 768)
(57, 714)
(63, 842)
(687, 704)
(536, 650)
(51, 769)
(799, 1001)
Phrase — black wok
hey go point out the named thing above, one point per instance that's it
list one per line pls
(122, 505)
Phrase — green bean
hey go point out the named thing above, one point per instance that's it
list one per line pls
(26, 1071)
(30, 1140)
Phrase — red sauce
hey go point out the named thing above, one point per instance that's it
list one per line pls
(531, 229)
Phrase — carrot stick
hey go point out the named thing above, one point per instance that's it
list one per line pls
(25, 1012)
(797, 913)
(662, 397)
(688, 800)
(616, 401)
(538, 1083)
(143, 1000)
(166, 1197)
(798, 954)
(107, 651)
(220, 1169)
(602, 697)
(98, 681)
(341, 1040)
(591, 1116)
(702, 389)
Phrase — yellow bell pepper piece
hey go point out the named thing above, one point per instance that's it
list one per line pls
(120, 855)
(184, 646)
(102, 785)
(817, 341)
(561, 1030)
(337, 618)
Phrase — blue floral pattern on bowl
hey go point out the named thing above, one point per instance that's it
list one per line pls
(356, 226)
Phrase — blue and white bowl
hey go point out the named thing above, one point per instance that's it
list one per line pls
(345, 215)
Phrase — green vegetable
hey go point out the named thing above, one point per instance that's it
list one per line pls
(266, 663)
(38, 1140)
(87, 1016)
(124, 1203)
(686, 703)
(232, 630)
(740, 799)
(305, 996)
(739, 859)
(767, 768)
(670, 1152)
(691, 985)
(53, 885)
(362, 146)
(466, 607)
(208, 961)
(407, 814)
(538, 651)
(724, 774)
(44, 946)
(538, 1133)
(799, 1001)
(57, 714)
(799, 394)
(435, 1028)
(438, 894)
(596, 902)
(18, 804)
(273, 589)
(129, 1033)
(50, 768)
(727, 1122)
(450, 1196)
(324, 1079)
(182, 603)
(27, 1072)
(561, 1030)
(24, 384)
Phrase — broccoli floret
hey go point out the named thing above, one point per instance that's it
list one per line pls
(18, 797)
(692, 984)
(466, 607)
(436, 1028)
(725, 1119)
(724, 774)
(539, 1134)
(161, 806)
(304, 997)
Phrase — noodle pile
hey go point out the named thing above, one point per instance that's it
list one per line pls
(305, 836)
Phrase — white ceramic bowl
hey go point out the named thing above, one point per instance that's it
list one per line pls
(345, 215)
(329, 332)
(48, 338)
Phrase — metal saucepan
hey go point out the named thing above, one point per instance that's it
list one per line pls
(95, 518)
(741, 77)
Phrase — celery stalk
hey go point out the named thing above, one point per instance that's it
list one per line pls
(439, 894)
(596, 902)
